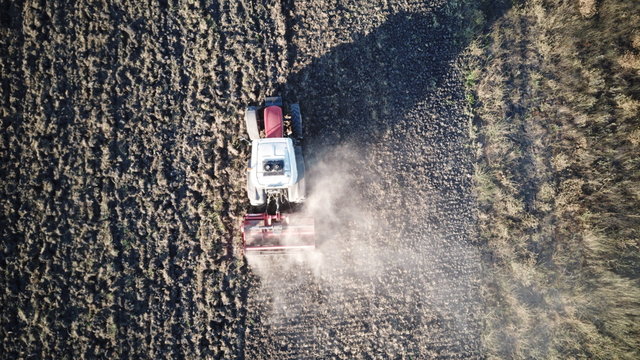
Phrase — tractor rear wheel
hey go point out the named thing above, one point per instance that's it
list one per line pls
(296, 122)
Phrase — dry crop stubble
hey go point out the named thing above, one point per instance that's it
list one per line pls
(550, 136)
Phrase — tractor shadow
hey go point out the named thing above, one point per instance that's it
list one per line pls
(382, 96)
(359, 89)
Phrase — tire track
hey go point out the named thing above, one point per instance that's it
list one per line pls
(288, 9)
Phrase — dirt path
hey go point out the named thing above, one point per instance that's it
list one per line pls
(122, 181)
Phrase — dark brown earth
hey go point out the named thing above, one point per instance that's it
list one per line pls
(122, 163)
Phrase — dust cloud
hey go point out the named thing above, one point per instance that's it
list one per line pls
(334, 201)
(350, 238)
(376, 272)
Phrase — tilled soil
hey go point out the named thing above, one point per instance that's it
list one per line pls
(123, 181)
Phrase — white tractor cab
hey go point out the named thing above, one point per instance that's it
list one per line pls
(273, 171)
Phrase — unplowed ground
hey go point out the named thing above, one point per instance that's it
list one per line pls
(123, 181)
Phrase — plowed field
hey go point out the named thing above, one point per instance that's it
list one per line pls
(123, 160)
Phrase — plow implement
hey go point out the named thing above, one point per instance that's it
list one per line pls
(265, 234)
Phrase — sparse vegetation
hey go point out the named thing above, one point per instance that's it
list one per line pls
(558, 179)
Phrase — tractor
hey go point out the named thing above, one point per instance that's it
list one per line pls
(276, 181)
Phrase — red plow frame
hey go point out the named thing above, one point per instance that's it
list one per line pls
(264, 233)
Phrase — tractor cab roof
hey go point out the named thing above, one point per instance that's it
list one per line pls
(273, 162)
